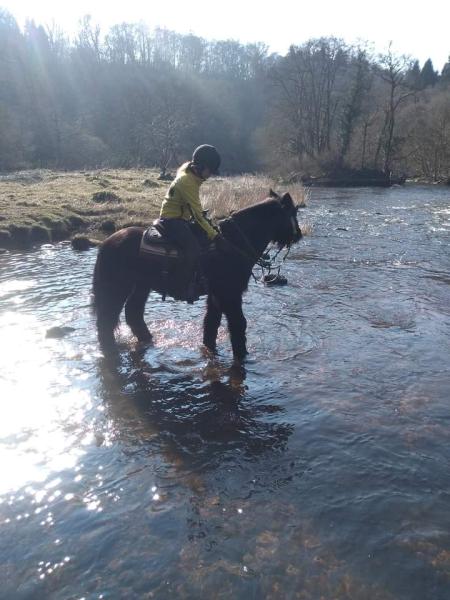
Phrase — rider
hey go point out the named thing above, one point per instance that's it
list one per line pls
(182, 203)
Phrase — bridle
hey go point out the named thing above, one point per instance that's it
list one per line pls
(294, 227)
(264, 261)
(250, 253)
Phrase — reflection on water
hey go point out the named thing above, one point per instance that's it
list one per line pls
(318, 470)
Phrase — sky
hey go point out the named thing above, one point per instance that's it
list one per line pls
(419, 30)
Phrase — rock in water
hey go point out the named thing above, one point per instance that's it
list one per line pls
(82, 242)
(58, 332)
(273, 279)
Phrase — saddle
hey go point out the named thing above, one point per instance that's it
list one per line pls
(163, 255)
(154, 243)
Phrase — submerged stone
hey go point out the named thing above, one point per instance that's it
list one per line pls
(83, 242)
(58, 332)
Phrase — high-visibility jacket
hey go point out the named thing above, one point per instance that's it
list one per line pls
(182, 200)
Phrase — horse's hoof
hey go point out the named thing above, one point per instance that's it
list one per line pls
(237, 371)
(144, 343)
(145, 339)
(209, 351)
(107, 344)
(238, 359)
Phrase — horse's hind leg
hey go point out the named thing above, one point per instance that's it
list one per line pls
(108, 316)
(134, 311)
(211, 322)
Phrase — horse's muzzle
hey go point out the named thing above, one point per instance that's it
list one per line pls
(296, 231)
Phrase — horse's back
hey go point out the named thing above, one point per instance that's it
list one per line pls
(127, 236)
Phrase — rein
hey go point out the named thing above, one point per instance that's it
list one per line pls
(251, 255)
(264, 261)
(269, 265)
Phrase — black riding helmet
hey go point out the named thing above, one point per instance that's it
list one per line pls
(206, 156)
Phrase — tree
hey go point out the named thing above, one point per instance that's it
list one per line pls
(413, 76)
(428, 76)
(87, 41)
(445, 74)
(309, 94)
(427, 124)
(392, 71)
(141, 97)
(361, 84)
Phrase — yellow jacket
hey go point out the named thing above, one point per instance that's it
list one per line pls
(182, 200)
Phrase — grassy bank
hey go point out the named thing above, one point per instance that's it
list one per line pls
(44, 206)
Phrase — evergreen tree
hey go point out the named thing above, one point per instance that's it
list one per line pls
(445, 74)
(413, 78)
(428, 75)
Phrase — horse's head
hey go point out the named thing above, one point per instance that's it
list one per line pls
(286, 228)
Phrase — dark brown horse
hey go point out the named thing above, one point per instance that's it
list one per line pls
(123, 277)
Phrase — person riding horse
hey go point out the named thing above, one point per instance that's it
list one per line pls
(124, 277)
(181, 205)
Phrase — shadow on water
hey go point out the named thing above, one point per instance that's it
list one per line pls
(211, 434)
(197, 424)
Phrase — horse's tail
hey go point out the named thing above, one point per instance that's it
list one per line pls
(106, 297)
(96, 303)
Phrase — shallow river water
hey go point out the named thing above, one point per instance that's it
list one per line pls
(319, 470)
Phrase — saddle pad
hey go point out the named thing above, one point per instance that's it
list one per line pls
(153, 244)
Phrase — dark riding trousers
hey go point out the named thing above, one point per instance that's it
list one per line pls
(179, 232)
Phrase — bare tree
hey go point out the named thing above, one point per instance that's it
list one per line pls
(360, 86)
(392, 70)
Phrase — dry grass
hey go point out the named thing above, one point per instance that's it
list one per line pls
(41, 206)
(223, 196)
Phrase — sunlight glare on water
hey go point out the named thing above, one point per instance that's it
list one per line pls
(33, 442)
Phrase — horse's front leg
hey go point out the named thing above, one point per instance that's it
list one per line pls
(211, 322)
(237, 325)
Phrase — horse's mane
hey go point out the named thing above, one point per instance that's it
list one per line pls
(262, 206)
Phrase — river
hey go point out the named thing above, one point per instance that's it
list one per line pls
(319, 470)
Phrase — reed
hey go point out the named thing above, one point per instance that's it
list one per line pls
(222, 196)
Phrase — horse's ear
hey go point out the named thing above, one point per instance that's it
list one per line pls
(286, 200)
(273, 194)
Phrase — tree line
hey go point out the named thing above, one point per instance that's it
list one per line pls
(140, 97)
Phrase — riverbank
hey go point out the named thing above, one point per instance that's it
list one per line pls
(42, 206)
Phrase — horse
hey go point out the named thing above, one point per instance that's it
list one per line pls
(123, 277)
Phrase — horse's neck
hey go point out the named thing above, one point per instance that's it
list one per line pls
(256, 230)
